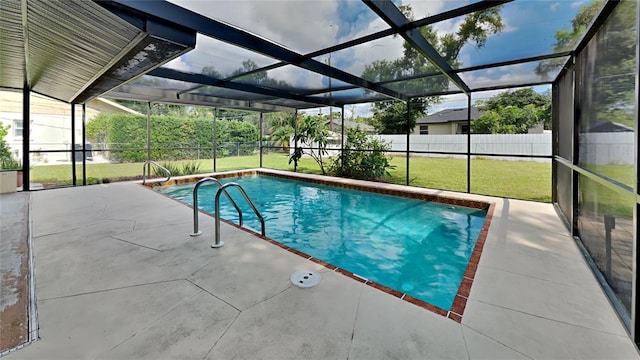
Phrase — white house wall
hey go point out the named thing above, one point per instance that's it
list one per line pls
(50, 124)
(440, 129)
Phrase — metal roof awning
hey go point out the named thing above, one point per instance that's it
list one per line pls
(75, 51)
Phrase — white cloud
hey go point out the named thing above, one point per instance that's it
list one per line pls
(554, 6)
(299, 25)
(178, 64)
(423, 8)
(577, 4)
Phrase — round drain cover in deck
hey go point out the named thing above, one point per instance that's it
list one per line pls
(305, 278)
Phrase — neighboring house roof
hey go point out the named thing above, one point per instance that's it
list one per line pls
(449, 115)
(609, 126)
(351, 125)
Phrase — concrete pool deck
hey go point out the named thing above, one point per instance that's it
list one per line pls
(119, 277)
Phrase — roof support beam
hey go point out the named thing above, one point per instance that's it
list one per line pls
(394, 17)
(241, 38)
(211, 81)
(148, 94)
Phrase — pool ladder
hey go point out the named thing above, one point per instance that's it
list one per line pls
(151, 162)
(222, 189)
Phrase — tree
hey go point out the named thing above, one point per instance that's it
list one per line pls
(507, 120)
(280, 127)
(241, 131)
(608, 65)
(475, 29)
(390, 117)
(282, 135)
(567, 39)
(314, 134)
(521, 98)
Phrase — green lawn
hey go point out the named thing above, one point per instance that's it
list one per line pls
(514, 179)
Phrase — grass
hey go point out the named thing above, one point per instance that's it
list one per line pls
(514, 179)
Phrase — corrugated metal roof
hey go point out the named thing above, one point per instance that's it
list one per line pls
(12, 60)
(76, 50)
(70, 44)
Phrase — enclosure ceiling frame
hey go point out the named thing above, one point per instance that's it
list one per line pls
(388, 12)
(461, 11)
(148, 94)
(235, 36)
(211, 81)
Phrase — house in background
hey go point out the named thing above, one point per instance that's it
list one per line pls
(50, 124)
(348, 124)
(446, 122)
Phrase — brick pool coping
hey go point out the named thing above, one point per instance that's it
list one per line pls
(460, 300)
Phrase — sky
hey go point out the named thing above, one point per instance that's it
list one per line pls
(307, 25)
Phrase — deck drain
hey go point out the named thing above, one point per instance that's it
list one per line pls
(305, 278)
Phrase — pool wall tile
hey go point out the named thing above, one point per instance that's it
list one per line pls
(323, 263)
(425, 305)
(351, 275)
(465, 287)
(460, 300)
(386, 289)
(455, 317)
(471, 271)
(459, 303)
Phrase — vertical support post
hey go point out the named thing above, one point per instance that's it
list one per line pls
(26, 137)
(149, 137)
(575, 188)
(73, 145)
(295, 140)
(260, 141)
(84, 144)
(215, 137)
(555, 149)
(408, 137)
(635, 302)
(469, 143)
(342, 140)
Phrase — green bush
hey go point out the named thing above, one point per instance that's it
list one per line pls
(363, 157)
(191, 167)
(173, 168)
(6, 160)
(172, 137)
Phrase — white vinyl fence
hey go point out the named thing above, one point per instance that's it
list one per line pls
(615, 148)
(507, 144)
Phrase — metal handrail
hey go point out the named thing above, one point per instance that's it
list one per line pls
(217, 242)
(144, 170)
(197, 232)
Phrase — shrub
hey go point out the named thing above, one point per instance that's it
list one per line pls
(172, 167)
(191, 167)
(363, 157)
(313, 133)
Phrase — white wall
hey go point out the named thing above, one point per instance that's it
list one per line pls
(50, 124)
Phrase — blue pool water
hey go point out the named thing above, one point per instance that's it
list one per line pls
(416, 247)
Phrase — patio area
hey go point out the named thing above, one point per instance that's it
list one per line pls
(119, 277)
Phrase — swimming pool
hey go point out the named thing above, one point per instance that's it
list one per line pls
(414, 247)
